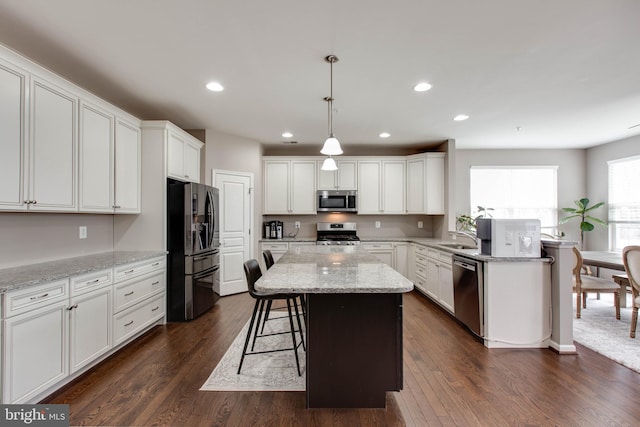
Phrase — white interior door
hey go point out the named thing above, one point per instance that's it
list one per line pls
(236, 201)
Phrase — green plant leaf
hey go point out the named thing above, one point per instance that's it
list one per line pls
(586, 226)
(569, 209)
(598, 220)
(567, 218)
(583, 203)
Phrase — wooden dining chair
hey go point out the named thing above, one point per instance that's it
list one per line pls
(631, 261)
(583, 284)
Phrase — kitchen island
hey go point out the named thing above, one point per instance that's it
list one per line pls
(354, 322)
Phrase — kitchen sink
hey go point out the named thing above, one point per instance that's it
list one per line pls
(457, 246)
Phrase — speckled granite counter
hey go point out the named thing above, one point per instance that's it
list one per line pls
(331, 270)
(34, 274)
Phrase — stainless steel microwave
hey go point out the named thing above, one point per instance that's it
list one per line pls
(337, 201)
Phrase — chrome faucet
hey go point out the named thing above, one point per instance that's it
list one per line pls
(469, 235)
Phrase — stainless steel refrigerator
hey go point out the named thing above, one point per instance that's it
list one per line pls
(193, 242)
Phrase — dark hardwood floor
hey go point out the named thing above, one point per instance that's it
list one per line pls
(449, 379)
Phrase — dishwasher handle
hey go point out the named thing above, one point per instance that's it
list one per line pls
(465, 265)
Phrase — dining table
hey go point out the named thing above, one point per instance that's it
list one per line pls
(610, 260)
(353, 322)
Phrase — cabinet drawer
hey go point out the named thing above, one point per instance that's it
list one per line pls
(23, 300)
(378, 245)
(421, 250)
(129, 322)
(133, 291)
(421, 260)
(445, 257)
(88, 282)
(275, 246)
(421, 283)
(127, 271)
(421, 271)
(433, 253)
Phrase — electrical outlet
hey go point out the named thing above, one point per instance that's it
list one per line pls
(420, 224)
(377, 224)
(297, 224)
(82, 232)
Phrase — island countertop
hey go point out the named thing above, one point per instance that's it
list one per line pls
(331, 270)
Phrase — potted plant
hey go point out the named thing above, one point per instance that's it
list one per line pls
(467, 223)
(583, 212)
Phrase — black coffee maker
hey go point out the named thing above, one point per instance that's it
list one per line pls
(273, 229)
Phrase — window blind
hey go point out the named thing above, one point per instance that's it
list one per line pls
(624, 190)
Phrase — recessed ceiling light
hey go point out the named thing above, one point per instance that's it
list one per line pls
(460, 117)
(287, 135)
(215, 87)
(385, 135)
(422, 87)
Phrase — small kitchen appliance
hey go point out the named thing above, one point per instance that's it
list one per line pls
(273, 229)
(337, 233)
(337, 201)
(509, 238)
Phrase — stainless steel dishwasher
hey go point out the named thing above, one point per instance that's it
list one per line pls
(468, 293)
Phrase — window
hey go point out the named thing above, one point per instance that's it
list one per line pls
(624, 203)
(516, 192)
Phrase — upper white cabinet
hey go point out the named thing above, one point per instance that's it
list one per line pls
(381, 186)
(109, 162)
(13, 84)
(289, 187)
(53, 148)
(425, 184)
(63, 149)
(183, 156)
(345, 178)
(128, 166)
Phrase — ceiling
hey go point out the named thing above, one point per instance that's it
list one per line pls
(565, 73)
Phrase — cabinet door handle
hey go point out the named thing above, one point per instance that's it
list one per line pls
(41, 296)
(93, 281)
(129, 294)
(129, 271)
(155, 264)
(129, 323)
(155, 283)
(72, 307)
(155, 309)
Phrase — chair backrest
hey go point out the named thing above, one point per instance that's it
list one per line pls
(268, 258)
(631, 260)
(577, 268)
(252, 272)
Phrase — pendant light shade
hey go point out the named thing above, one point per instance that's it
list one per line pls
(329, 164)
(331, 146)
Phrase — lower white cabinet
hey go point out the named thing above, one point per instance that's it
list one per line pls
(439, 280)
(36, 355)
(279, 248)
(382, 250)
(53, 331)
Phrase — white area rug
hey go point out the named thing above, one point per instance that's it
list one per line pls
(599, 330)
(261, 372)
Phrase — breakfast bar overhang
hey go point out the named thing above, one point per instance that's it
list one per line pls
(354, 322)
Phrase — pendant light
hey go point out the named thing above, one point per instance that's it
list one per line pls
(331, 146)
(329, 164)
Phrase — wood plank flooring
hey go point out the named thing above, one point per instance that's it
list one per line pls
(449, 379)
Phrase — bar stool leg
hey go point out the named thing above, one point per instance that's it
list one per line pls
(293, 336)
(246, 341)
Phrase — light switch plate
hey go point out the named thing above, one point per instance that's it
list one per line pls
(420, 224)
(377, 224)
(83, 232)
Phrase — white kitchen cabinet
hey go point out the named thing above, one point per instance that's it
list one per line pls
(425, 184)
(183, 156)
(401, 257)
(35, 340)
(381, 186)
(439, 284)
(110, 162)
(382, 250)
(96, 166)
(344, 178)
(128, 167)
(53, 148)
(289, 187)
(13, 122)
(421, 267)
(90, 309)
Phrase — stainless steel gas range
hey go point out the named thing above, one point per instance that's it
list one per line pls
(337, 233)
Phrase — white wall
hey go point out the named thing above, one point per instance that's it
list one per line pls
(571, 175)
(597, 181)
(233, 153)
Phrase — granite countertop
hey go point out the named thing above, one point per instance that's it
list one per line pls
(331, 270)
(35, 274)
